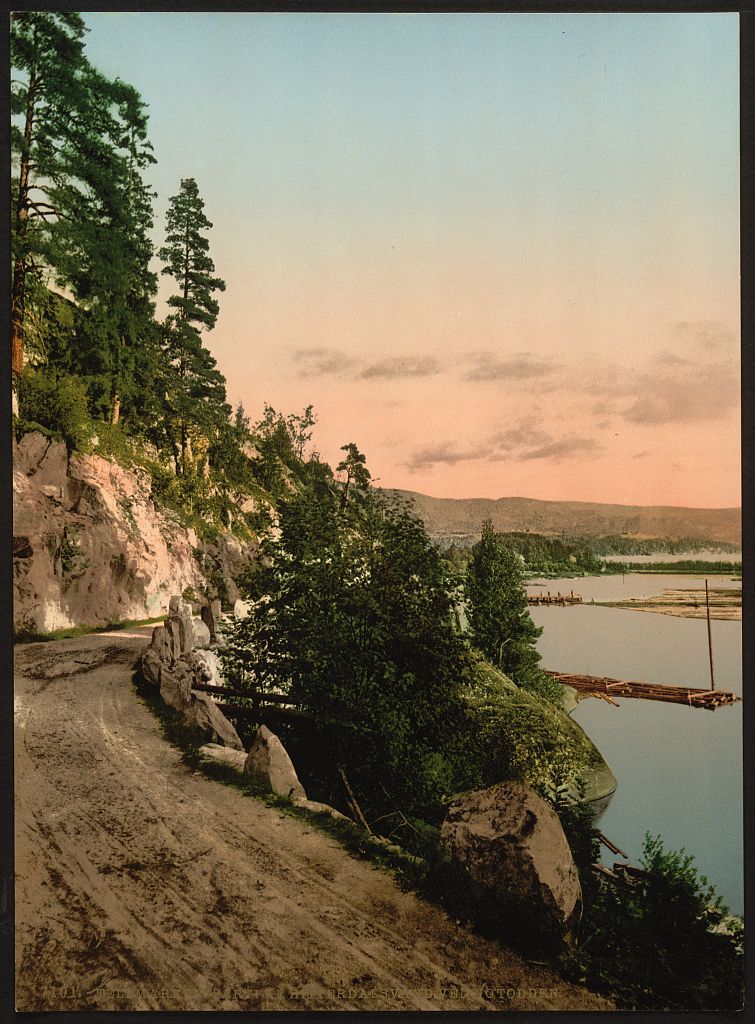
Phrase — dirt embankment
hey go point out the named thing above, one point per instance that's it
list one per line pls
(142, 885)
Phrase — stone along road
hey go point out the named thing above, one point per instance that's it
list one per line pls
(142, 885)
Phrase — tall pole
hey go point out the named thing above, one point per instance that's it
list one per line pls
(710, 639)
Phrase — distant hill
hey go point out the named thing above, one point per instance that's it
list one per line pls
(446, 517)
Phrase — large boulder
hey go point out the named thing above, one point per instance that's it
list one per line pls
(201, 633)
(508, 842)
(207, 718)
(224, 755)
(270, 765)
(175, 685)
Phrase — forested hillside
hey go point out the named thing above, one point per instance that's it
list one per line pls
(449, 517)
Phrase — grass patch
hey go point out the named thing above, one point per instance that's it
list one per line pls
(28, 634)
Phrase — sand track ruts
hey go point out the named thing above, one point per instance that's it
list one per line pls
(141, 885)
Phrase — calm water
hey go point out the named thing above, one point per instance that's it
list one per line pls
(679, 769)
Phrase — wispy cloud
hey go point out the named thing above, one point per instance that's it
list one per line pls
(520, 366)
(444, 453)
(401, 366)
(566, 448)
(523, 442)
(322, 362)
(702, 392)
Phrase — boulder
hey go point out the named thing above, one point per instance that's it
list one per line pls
(270, 765)
(151, 665)
(201, 633)
(175, 685)
(161, 644)
(203, 715)
(241, 609)
(509, 842)
(224, 755)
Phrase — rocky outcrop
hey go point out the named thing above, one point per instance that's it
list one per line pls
(508, 841)
(269, 764)
(171, 664)
(91, 547)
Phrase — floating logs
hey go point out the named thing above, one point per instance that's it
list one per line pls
(559, 599)
(607, 689)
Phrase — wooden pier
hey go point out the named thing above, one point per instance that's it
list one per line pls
(606, 689)
(560, 599)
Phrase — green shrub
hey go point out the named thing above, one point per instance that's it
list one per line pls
(58, 402)
(664, 943)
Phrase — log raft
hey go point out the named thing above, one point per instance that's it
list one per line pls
(560, 599)
(607, 689)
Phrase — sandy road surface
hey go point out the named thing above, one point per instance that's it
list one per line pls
(142, 885)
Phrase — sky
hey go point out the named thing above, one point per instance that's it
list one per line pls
(499, 252)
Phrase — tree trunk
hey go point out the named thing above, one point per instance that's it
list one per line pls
(115, 412)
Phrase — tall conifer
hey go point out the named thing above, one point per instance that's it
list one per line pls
(197, 395)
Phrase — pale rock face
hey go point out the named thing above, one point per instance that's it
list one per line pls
(510, 841)
(122, 557)
(241, 609)
(270, 764)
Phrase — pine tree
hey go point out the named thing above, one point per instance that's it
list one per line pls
(109, 251)
(48, 94)
(500, 621)
(197, 389)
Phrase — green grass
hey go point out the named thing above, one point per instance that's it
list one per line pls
(30, 635)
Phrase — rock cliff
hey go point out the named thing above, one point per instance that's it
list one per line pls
(91, 547)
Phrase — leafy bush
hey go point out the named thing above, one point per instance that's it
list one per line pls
(514, 734)
(666, 943)
(59, 403)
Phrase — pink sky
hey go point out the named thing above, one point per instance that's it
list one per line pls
(500, 253)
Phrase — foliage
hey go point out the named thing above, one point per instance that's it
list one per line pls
(514, 734)
(352, 618)
(664, 943)
(58, 402)
(195, 389)
(500, 622)
(354, 466)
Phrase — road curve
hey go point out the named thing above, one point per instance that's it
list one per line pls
(142, 885)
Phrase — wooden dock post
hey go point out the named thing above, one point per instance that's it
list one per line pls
(710, 639)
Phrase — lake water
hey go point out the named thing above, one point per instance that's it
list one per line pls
(679, 769)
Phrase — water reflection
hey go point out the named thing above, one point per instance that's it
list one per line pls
(679, 769)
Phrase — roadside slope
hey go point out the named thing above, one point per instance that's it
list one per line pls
(142, 885)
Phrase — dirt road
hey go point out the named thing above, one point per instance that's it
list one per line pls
(142, 885)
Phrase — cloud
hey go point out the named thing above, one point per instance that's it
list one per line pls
(322, 362)
(702, 392)
(521, 366)
(709, 335)
(523, 442)
(667, 358)
(444, 453)
(567, 447)
(527, 434)
(401, 366)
